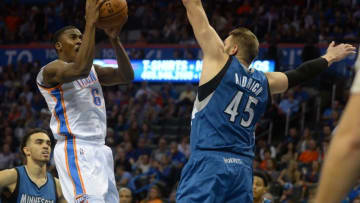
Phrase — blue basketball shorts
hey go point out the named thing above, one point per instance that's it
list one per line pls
(216, 177)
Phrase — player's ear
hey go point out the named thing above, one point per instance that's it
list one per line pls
(58, 46)
(234, 50)
(26, 151)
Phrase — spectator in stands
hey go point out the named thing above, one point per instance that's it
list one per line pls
(289, 154)
(312, 175)
(187, 96)
(141, 148)
(335, 107)
(264, 162)
(271, 170)
(167, 171)
(300, 94)
(7, 158)
(120, 125)
(153, 196)
(142, 164)
(144, 90)
(289, 175)
(325, 133)
(161, 150)
(125, 195)
(122, 177)
(177, 157)
(120, 158)
(289, 105)
(146, 133)
(293, 136)
(184, 146)
(263, 147)
(304, 140)
(310, 154)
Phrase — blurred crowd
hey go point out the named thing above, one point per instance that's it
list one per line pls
(148, 131)
(164, 21)
(149, 124)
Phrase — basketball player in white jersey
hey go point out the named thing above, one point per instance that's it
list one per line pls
(72, 89)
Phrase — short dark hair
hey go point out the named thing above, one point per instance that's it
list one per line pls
(28, 135)
(262, 176)
(59, 32)
(247, 42)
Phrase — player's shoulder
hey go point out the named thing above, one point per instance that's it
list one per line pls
(53, 65)
(8, 177)
(11, 171)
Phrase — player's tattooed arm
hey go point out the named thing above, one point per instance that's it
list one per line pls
(7, 177)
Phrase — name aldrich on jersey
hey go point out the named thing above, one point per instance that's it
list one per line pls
(33, 199)
(249, 83)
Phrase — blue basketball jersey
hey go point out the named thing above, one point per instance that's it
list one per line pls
(27, 191)
(225, 120)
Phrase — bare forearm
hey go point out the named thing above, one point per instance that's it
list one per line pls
(125, 70)
(85, 57)
(342, 164)
(196, 13)
(197, 18)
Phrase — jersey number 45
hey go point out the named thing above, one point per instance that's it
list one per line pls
(232, 109)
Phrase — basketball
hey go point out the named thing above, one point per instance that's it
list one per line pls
(113, 13)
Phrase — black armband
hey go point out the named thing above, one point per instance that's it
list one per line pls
(306, 71)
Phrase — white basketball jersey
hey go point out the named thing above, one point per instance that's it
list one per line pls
(78, 108)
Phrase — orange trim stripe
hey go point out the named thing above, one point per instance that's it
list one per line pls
(74, 143)
(77, 166)
(57, 118)
(49, 88)
(67, 166)
(64, 108)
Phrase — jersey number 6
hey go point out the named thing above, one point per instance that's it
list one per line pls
(96, 96)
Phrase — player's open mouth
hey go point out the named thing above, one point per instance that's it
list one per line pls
(45, 153)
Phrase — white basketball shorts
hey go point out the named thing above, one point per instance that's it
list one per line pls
(86, 171)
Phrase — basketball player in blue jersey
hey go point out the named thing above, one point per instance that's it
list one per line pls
(231, 99)
(260, 187)
(31, 182)
(72, 88)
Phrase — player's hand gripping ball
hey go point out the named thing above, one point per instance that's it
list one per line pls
(113, 13)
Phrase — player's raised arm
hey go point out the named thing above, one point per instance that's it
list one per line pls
(73, 65)
(7, 177)
(209, 41)
(124, 73)
(280, 82)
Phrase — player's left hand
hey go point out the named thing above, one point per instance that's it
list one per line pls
(113, 32)
(339, 52)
